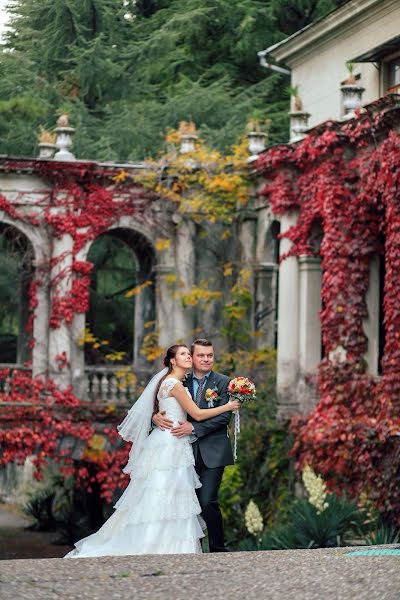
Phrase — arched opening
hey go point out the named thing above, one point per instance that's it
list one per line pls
(267, 289)
(16, 272)
(122, 297)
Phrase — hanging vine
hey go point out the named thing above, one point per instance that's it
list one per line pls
(347, 176)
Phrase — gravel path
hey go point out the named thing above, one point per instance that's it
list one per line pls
(284, 575)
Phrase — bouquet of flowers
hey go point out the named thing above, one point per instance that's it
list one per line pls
(243, 390)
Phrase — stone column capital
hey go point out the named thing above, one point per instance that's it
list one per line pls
(165, 269)
(265, 269)
(307, 262)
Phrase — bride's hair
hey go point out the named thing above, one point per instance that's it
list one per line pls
(171, 353)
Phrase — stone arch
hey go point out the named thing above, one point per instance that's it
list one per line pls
(18, 257)
(272, 242)
(267, 286)
(40, 245)
(143, 270)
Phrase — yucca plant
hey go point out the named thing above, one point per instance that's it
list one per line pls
(308, 527)
(39, 509)
(383, 534)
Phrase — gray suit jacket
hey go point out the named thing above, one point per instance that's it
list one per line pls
(213, 440)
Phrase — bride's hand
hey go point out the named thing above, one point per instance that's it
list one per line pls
(234, 405)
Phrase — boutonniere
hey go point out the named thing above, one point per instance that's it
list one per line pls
(210, 395)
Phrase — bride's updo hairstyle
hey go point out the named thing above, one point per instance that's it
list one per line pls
(170, 354)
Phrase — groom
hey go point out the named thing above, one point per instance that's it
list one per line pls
(211, 444)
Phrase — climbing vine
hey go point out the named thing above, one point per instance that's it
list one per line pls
(347, 177)
(203, 182)
(37, 416)
(85, 201)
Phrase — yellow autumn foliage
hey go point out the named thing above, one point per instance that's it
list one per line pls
(198, 294)
(138, 289)
(162, 244)
(205, 183)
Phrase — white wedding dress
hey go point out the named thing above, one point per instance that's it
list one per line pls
(158, 513)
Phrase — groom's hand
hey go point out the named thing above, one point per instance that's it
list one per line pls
(184, 428)
(161, 421)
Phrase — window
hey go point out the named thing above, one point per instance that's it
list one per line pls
(393, 75)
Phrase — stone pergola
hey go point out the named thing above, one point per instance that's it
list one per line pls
(30, 194)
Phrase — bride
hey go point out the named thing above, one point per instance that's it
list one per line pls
(159, 512)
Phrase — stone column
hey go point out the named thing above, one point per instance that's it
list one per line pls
(247, 238)
(288, 326)
(309, 307)
(41, 327)
(310, 277)
(60, 338)
(77, 349)
(170, 318)
(371, 323)
(144, 313)
(185, 269)
(265, 303)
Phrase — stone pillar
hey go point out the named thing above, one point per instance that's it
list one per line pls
(371, 323)
(41, 327)
(247, 238)
(288, 326)
(185, 270)
(170, 318)
(60, 338)
(144, 313)
(265, 303)
(310, 277)
(77, 359)
(309, 307)
(175, 273)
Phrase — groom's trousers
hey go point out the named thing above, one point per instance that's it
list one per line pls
(208, 498)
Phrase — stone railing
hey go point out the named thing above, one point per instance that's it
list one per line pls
(112, 384)
(118, 384)
(5, 381)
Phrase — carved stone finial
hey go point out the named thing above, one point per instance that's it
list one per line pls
(64, 139)
(187, 128)
(188, 137)
(46, 137)
(297, 104)
(47, 146)
(63, 121)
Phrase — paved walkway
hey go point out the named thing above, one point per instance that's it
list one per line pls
(18, 542)
(284, 575)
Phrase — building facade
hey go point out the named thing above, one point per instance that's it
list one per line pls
(331, 97)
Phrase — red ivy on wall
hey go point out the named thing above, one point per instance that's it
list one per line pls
(36, 416)
(347, 177)
(38, 419)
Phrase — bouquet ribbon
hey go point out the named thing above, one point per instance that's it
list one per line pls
(236, 431)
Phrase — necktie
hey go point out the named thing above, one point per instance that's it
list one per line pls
(199, 391)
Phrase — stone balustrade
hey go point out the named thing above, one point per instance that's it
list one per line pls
(110, 384)
(103, 383)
